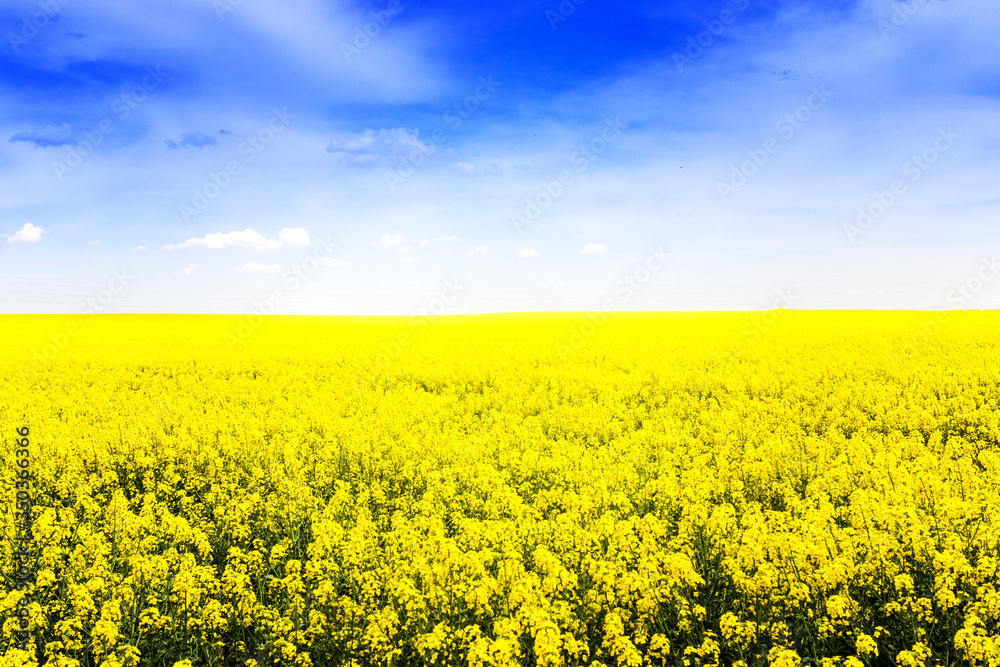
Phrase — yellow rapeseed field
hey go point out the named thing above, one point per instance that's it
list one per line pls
(783, 488)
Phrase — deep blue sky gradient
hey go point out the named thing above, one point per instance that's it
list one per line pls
(886, 93)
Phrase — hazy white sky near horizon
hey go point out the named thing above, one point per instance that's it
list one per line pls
(194, 155)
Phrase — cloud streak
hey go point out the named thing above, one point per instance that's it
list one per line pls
(46, 137)
(257, 267)
(377, 147)
(192, 139)
(248, 238)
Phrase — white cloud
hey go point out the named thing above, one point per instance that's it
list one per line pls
(527, 253)
(294, 237)
(441, 239)
(189, 270)
(248, 238)
(595, 249)
(93, 243)
(332, 261)
(466, 168)
(378, 147)
(27, 234)
(478, 250)
(140, 248)
(257, 267)
(389, 240)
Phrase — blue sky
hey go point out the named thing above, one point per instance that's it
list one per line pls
(537, 155)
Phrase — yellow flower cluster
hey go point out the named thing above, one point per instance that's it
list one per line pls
(673, 492)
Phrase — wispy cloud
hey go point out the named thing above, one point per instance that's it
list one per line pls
(471, 169)
(527, 253)
(595, 249)
(257, 267)
(444, 239)
(193, 139)
(377, 147)
(389, 240)
(52, 135)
